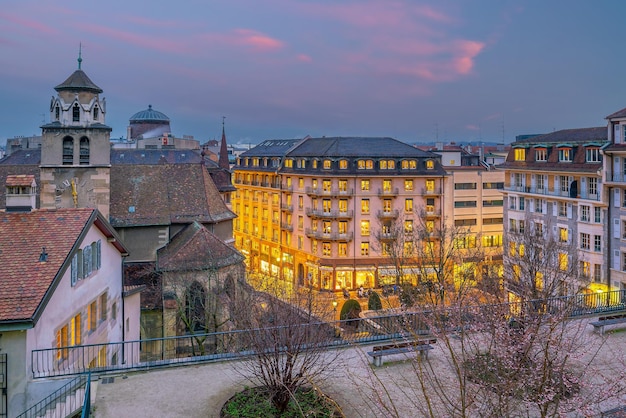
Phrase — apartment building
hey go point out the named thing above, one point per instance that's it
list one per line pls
(554, 185)
(309, 210)
(614, 178)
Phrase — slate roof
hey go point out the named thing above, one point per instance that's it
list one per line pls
(78, 81)
(196, 248)
(164, 194)
(618, 114)
(361, 147)
(568, 135)
(25, 282)
(271, 148)
(156, 156)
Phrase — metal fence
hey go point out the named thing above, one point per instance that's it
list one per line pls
(160, 352)
(64, 402)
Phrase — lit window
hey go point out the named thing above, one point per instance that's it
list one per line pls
(343, 185)
(62, 341)
(327, 164)
(288, 163)
(92, 316)
(408, 226)
(408, 205)
(563, 261)
(409, 164)
(408, 185)
(430, 186)
(326, 249)
(365, 228)
(342, 249)
(365, 248)
(343, 205)
(365, 206)
(563, 235)
(343, 164)
(75, 330)
(301, 183)
(314, 164)
(430, 164)
(565, 154)
(386, 185)
(365, 185)
(365, 164)
(520, 154)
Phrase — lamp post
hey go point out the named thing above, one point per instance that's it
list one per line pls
(336, 327)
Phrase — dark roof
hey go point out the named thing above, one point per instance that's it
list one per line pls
(271, 148)
(59, 125)
(156, 156)
(196, 248)
(568, 135)
(22, 157)
(78, 81)
(618, 114)
(26, 280)
(149, 115)
(164, 194)
(365, 147)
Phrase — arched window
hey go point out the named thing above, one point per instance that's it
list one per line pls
(76, 113)
(84, 151)
(195, 303)
(68, 150)
(95, 113)
(57, 112)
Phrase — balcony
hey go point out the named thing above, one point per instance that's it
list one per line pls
(388, 214)
(333, 214)
(287, 227)
(432, 213)
(388, 192)
(431, 192)
(286, 207)
(285, 187)
(582, 194)
(615, 177)
(320, 191)
(329, 236)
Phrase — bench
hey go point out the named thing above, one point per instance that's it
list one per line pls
(421, 346)
(603, 321)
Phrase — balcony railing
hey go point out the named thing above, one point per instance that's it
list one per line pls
(386, 214)
(285, 206)
(431, 192)
(388, 192)
(320, 191)
(582, 194)
(329, 236)
(332, 214)
(615, 177)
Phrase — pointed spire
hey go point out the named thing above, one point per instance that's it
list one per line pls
(223, 161)
(80, 53)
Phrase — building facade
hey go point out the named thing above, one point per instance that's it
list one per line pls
(309, 211)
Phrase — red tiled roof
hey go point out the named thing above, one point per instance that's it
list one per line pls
(24, 280)
(20, 180)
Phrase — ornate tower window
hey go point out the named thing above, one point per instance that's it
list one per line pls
(57, 112)
(76, 113)
(68, 150)
(95, 113)
(84, 151)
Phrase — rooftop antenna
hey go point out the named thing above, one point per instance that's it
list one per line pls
(80, 53)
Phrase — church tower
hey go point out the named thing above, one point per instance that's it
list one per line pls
(75, 147)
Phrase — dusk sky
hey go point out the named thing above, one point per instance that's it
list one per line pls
(418, 71)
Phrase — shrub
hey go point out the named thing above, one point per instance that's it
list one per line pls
(350, 309)
(374, 303)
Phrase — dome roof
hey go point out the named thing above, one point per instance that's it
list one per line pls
(149, 115)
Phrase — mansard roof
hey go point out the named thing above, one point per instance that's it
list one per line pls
(366, 147)
(196, 248)
(78, 81)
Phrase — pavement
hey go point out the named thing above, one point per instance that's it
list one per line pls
(201, 390)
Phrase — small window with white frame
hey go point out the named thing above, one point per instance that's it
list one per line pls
(592, 155)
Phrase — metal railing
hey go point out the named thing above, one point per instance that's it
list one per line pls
(65, 401)
(161, 352)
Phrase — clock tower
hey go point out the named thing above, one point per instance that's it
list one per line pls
(75, 148)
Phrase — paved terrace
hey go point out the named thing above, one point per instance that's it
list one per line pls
(199, 390)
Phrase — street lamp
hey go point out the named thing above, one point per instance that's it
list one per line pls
(335, 305)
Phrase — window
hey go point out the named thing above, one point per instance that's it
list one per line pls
(491, 203)
(62, 341)
(365, 185)
(563, 235)
(592, 185)
(492, 240)
(343, 185)
(623, 229)
(326, 205)
(430, 186)
(365, 227)
(539, 205)
(522, 203)
(597, 272)
(326, 185)
(430, 164)
(563, 261)
(314, 164)
(365, 164)
(584, 213)
(92, 316)
(565, 154)
(57, 112)
(386, 185)
(465, 204)
(289, 163)
(327, 164)
(103, 306)
(86, 261)
(492, 221)
(592, 155)
(465, 222)
(562, 211)
(75, 330)
(597, 243)
(597, 215)
(365, 206)
(76, 113)
(408, 205)
(301, 163)
(342, 249)
(343, 227)
(387, 164)
(301, 183)
(314, 247)
(541, 154)
(365, 248)
(300, 202)
(300, 222)
(343, 164)
(300, 242)
(585, 241)
(429, 226)
(68, 150)
(496, 185)
(520, 154)
(564, 180)
(464, 186)
(540, 182)
(386, 205)
(343, 205)
(408, 185)
(409, 164)
(326, 249)
(513, 202)
(408, 226)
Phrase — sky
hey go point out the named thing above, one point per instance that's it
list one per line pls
(417, 71)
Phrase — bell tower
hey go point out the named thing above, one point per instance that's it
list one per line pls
(75, 147)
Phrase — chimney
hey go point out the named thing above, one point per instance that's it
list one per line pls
(21, 193)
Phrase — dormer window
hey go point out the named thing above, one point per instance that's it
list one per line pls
(327, 164)
(409, 164)
(365, 164)
(343, 164)
(301, 163)
(592, 155)
(57, 112)
(565, 154)
(520, 154)
(430, 164)
(541, 154)
(387, 164)
(76, 113)
(289, 163)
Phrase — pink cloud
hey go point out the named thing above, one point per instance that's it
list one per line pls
(472, 127)
(493, 116)
(29, 24)
(304, 58)
(144, 41)
(255, 40)
(465, 52)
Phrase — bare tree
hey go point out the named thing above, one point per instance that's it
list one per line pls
(287, 334)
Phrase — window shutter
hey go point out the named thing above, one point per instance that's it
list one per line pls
(554, 208)
(74, 269)
(531, 205)
(99, 254)
(87, 261)
(569, 210)
(533, 181)
(616, 228)
(557, 186)
(616, 260)
(616, 200)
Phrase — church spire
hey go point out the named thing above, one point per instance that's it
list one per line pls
(80, 53)
(223, 161)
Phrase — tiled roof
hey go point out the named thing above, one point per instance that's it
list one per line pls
(155, 156)
(618, 114)
(7, 170)
(24, 280)
(196, 248)
(20, 180)
(164, 194)
(568, 135)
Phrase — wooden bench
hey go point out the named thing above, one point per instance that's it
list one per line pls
(603, 321)
(421, 346)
